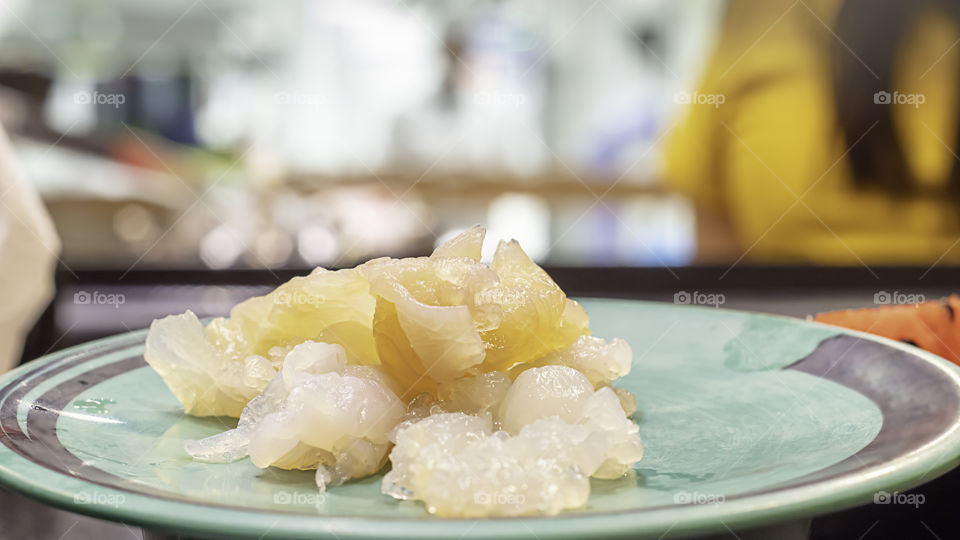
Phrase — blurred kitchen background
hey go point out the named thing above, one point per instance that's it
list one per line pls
(193, 153)
(215, 134)
(201, 135)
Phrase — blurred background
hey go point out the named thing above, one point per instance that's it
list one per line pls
(194, 152)
(791, 156)
(194, 136)
(209, 134)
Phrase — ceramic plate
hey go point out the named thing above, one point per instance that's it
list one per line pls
(747, 420)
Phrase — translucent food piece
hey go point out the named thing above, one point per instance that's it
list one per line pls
(467, 244)
(323, 478)
(324, 306)
(564, 393)
(317, 411)
(423, 325)
(216, 370)
(358, 458)
(600, 360)
(558, 432)
(544, 392)
(194, 370)
(225, 447)
(628, 401)
(443, 338)
(232, 444)
(420, 407)
(620, 436)
(320, 412)
(257, 371)
(536, 316)
(476, 394)
(441, 317)
(458, 467)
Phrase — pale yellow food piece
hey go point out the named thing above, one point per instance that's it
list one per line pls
(178, 350)
(467, 244)
(536, 317)
(430, 313)
(215, 371)
(328, 306)
(442, 317)
(425, 322)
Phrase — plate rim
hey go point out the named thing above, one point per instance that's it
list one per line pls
(925, 463)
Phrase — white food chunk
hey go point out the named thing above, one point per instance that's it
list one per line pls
(557, 433)
(316, 412)
(544, 392)
(600, 360)
(178, 350)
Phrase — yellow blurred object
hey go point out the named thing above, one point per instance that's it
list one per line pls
(771, 157)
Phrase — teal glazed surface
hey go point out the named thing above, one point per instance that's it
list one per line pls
(746, 420)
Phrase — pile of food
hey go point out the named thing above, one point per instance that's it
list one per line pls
(480, 383)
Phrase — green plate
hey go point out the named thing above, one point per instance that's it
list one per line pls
(746, 419)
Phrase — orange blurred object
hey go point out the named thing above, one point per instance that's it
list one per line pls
(932, 326)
